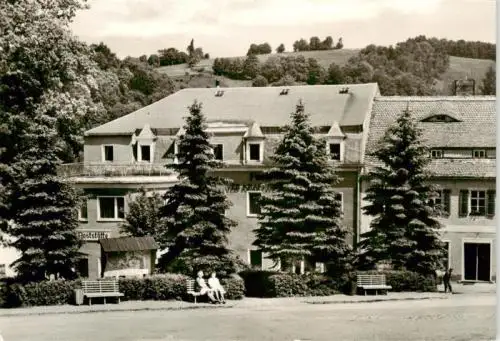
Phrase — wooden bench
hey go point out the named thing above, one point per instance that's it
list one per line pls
(190, 284)
(372, 282)
(105, 288)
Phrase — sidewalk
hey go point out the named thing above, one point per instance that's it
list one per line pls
(248, 302)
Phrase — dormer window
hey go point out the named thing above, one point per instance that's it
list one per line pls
(254, 144)
(145, 144)
(436, 154)
(254, 152)
(334, 151)
(479, 153)
(145, 153)
(335, 143)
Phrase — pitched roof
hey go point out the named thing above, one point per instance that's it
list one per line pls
(128, 244)
(476, 127)
(477, 116)
(263, 105)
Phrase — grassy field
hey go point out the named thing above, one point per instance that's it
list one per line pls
(201, 75)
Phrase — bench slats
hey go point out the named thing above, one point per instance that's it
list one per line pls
(375, 282)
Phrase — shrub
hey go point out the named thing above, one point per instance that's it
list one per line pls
(407, 280)
(37, 294)
(157, 287)
(235, 287)
(257, 283)
(278, 284)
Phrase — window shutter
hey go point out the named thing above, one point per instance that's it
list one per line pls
(463, 203)
(491, 203)
(446, 201)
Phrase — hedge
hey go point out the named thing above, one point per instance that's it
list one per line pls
(406, 280)
(279, 284)
(158, 287)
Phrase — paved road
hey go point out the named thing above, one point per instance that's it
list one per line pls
(461, 318)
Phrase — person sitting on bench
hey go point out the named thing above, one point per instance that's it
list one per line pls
(215, 285)
(204, 289)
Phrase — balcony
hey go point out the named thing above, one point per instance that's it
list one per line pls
(69, 170)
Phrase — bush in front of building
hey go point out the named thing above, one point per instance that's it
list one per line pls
(37, 293)
(234, 286)
(158, 287)
(281, 284)
(402, 280)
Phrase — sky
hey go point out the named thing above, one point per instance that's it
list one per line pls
(226, 28)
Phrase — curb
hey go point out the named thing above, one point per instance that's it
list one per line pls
(379, 300)
(117, 310)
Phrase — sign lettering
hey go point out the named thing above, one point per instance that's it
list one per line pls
(93, 235)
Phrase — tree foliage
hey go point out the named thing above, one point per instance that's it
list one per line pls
(263, 48)
(301, 214)
(195, 227)
(47, 86)
(405, 229)
(489, 82)
(143, 216)
(315, 44)
(280, 48)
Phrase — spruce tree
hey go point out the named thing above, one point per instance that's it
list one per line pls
(44, 216)
(195, 227)
(300, 211)
(404, 231)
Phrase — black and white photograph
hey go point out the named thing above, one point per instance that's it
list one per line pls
(248, 170)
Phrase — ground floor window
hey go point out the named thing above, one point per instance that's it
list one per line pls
(256, 259)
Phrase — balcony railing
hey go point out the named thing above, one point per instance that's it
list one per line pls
(113, 169)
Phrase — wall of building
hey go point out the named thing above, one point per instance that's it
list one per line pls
(242, 237)
(457, 229)
(123, 151)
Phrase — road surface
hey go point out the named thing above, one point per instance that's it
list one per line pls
(460, 318)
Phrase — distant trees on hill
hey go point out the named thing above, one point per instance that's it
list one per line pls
(172, 56)
(315, 44)
(467, 49)
(410, 68)
(264, 48)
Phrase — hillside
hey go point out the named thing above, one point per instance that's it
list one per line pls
(201, 75)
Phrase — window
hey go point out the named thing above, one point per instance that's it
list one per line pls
(479, 154)
(108, 153)
(112, 208)
(254, 151)
(477, 202)
(256, 259)
(340, 197)
(334, 151)
(145, 153)
(440, 201)
(82, 211)
(253, 205)
(218, 152)
(436, 154)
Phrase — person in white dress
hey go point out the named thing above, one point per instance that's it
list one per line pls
(215, 285)
(204, 289)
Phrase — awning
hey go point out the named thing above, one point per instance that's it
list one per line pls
(128, 244)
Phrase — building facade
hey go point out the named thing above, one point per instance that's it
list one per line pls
(461, 135)
(132, 151)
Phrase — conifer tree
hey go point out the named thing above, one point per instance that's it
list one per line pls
(404, 231)
(195, 226)
(43, 206)
(300, 210)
